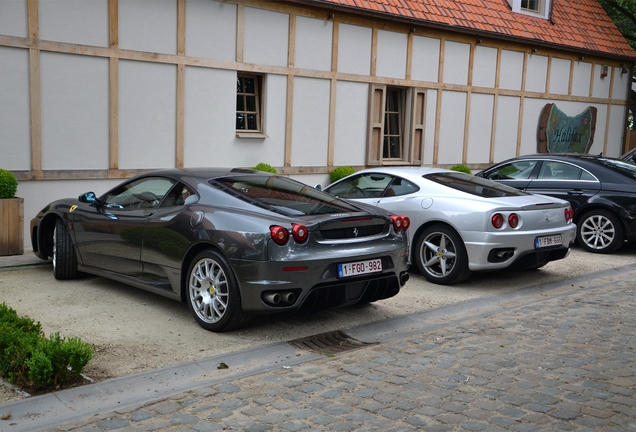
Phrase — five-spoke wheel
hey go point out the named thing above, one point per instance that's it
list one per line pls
(213, 295)
(441, 256)
(600, 231)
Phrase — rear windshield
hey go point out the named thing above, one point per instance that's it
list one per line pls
(283, 195)
(474, 185)
(625, 168)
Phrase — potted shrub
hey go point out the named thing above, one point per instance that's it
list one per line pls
(11, 216)
(262, 166)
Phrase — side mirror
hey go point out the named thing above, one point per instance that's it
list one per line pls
(318, 186)
(88, 197)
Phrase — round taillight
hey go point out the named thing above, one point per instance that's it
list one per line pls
(513, 220)
(569, 215)
(497, 220)
(300, 233)
(406, 223)
(400, 222)
(280, 235)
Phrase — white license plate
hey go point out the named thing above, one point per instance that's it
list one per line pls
(541, 242)
(359, 268)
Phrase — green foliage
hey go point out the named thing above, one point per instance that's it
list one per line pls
(265, 167)
(32, 361)
(623, 13)
(340, 172)
(8, 184)
(461, 168)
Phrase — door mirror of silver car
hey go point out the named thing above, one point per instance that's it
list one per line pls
(318, 186)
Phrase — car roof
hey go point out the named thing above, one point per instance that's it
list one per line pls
(202, 173)
(406, 172)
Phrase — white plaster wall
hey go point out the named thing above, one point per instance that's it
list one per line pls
(530, 124)
(350, 137)
(13, 18)
(456, 57)
(147, 115)
(313, 43)
(148, 25)
(391, 59)
(429, 131)
(480, 128)
(15, 132)
(536, 73)
(37, 194)
(310, 127)
(354, 49)
(506, 127)
(582, 78)
(484, 66)
(73, 21)
(616, 131)
(599, 135)
(451, 127)
(210, 120)
(74, 111)
(211, 29)
(601, 85)
(425, 59)
(560, 76)
(511, 71)
(266, 37)
(622, 81)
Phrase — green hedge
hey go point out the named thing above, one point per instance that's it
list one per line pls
(261, 166)
(461, 168)
(8, 184)
(30, 360)
(340, 173)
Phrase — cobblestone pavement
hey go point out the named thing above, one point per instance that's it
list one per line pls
(562, 361)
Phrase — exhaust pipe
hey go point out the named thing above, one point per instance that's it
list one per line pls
(404, 278)
(272, 298)
(289, 297)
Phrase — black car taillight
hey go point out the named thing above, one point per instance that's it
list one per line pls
(279, 234)
(400, 222)
(300, 233)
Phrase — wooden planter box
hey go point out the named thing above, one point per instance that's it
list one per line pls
(11, 226)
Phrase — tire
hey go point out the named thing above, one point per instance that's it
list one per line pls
(64, 257)
(441, 256)
(600, 231)
(213, 295)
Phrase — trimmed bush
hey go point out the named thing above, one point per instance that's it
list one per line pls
(340, 172)
(461, 168)
(8, 184)
(30, 360)
(266, 168)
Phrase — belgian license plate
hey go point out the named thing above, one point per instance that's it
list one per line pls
(359, 268)
(547, 241)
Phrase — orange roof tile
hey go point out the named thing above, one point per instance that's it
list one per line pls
(578, 24)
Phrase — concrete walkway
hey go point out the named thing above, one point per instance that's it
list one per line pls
(551, 357)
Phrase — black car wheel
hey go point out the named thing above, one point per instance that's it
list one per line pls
(64, 258)
(213, 294)
(441, 256)
(600, 231)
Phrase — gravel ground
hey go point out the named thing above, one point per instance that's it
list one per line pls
(133, 330)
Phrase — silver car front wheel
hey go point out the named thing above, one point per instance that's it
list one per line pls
(441, 256)
(213, 295)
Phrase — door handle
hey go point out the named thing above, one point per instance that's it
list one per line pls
(575, 192)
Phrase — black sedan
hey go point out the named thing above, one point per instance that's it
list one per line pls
(230, 243)
(602, 192)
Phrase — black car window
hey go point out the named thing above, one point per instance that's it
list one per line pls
(625, 168)
(283, 195)
(520, 169)
(143, 193)
(179, 195)
(474, 185)
(552, 170)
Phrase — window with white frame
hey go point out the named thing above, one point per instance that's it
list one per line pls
(248, 103)
(396, 125)
(531, 5)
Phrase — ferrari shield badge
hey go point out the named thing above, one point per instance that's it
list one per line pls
(560, 133)
(72, 209)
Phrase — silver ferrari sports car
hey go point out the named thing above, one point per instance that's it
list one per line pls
(461, 223)
(230, 243)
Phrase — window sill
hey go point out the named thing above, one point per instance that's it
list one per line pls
(251, 135)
